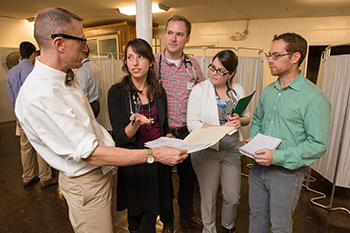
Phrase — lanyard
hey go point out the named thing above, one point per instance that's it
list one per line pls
(186, 60)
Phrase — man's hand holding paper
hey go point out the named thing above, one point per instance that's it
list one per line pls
(260, 148)
(169, 155)
(264, 157)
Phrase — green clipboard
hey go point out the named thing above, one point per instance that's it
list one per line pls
(242, 104)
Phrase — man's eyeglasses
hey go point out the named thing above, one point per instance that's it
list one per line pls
(275, 56)
(218, 71)
(83, 40)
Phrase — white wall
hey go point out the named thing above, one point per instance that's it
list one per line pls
(316, 30)
(12, 32)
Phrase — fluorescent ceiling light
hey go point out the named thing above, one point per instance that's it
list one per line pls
(156, 8)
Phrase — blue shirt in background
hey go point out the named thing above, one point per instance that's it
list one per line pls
(16, 77)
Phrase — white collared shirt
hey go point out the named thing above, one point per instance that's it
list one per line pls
(59, 122)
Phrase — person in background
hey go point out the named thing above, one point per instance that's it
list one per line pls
(14, 80)
(60, 124)
(211, 104)
(178, 74)
(88, 79)
(296, 111)
(138, 113)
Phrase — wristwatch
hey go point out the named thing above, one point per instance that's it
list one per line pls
(150, 157)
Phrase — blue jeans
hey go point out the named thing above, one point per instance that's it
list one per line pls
(273, 195)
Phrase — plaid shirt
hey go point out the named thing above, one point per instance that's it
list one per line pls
(174, 80)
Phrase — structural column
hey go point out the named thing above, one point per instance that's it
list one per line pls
(144, 20)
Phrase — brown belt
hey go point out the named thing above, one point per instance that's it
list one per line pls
(179, 130)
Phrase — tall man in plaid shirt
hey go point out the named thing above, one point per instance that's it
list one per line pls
(178, 74)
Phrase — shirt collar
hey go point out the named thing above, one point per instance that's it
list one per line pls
(53, 74)
(167, 61)
(296, 84)
(25, 62)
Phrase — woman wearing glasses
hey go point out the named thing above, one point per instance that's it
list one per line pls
(138, 113)
(210, 105)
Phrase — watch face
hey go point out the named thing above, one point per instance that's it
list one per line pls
(150, 159)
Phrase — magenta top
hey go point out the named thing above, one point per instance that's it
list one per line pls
(149, 132)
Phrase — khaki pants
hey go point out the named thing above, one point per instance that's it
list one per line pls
(28, 160)
(213, 169)
(89, 200)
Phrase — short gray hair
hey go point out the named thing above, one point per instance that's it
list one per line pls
(50, 21)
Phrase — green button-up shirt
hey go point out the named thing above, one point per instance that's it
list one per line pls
(299, 114)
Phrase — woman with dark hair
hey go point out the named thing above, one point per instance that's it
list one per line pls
(210, 105)
(138, 113)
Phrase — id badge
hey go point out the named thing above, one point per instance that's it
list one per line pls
(190, 85)
(221, 103)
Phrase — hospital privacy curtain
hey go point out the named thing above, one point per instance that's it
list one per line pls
(334, 80)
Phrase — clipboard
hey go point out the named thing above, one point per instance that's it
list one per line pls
(242, 104)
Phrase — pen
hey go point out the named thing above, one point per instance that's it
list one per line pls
(138, 108)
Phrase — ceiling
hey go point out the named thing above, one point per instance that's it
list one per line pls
(101, 12)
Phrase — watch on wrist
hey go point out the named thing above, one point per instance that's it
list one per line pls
(150, 157)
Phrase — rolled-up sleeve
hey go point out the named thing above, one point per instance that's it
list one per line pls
(60, 129)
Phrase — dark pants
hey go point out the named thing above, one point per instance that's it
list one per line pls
(143, 223)
(95, 105)
(187, 182)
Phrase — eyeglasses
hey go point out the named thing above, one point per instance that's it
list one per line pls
(218, 71)
(83, 40)
(275, 56)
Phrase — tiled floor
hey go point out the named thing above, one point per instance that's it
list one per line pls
(39, 211)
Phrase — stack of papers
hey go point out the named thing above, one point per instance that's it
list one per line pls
(210, 134)
(260, 141)
(198, 139)
(177, 143)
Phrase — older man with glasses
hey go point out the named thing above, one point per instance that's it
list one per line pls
(57, 119)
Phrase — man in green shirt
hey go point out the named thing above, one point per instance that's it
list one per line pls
(296, 111)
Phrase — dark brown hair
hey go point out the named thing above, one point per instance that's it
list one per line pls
(228, 59)
(26, 49)
(295, 43)
(142, 47)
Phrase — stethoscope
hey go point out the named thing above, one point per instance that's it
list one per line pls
(220, 102)
(135, 99)
(186, 61)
